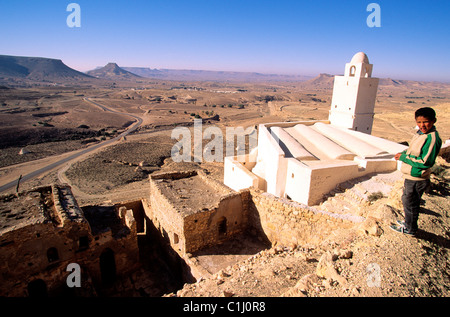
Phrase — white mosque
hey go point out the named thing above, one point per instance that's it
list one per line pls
(303, 161)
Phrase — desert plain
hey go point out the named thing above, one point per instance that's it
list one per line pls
(41, 125)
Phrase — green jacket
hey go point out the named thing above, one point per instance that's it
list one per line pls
(421, 155)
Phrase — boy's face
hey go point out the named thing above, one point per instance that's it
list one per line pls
(425, 124)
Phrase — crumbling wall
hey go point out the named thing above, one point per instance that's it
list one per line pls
(289, 223)
(42, 250)
(137, 209)
(188, 232)
(276, 220)
(118, 237)
(164, 215)
(214, 226)
(218, 224)
(37, 252)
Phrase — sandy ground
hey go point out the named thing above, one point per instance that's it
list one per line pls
(407, 266)
(350, 262)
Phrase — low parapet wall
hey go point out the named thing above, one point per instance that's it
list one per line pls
(288, 223)
(238, 176)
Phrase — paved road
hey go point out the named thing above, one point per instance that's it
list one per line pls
(78, 154)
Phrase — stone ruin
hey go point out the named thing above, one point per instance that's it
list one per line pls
(44, 230)
(193, 211)
(272, 193)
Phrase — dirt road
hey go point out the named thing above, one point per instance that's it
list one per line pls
(76, 154)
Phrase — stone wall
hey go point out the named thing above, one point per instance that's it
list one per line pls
(42, 249)
(137, 209)
(212, 225)
(164, 215)
(216, 225)
(36, 252)
(289, 223)
(119, 245)
(275, 220)
(39, 252)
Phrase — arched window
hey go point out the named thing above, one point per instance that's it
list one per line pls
(352, 71)
(366, 72)
(52, 255)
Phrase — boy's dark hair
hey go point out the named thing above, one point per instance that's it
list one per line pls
(426, 112)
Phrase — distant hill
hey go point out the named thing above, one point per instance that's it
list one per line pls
(209, 75)
(37, 69)
(112, 72)
(326, 81)
(146, 72)
(410, 84)
(321, 81)
(20, 70)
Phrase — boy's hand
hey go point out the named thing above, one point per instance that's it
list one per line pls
(397, 156)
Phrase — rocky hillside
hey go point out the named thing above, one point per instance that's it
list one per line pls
(368, 259)
(112, 71)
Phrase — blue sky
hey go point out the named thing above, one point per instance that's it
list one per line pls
(285, 37)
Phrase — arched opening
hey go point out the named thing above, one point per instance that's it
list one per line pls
(37, 288)
(107, 267)
(222, 226)
(366, 72)
(52, 255)
(352, 71)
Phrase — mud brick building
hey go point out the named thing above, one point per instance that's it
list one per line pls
(44, 230)
(193, 211)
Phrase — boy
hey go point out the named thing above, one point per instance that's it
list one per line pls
(417, 161)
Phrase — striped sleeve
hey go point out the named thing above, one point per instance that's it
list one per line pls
(428, 154)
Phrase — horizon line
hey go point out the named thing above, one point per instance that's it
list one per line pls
(310, 76)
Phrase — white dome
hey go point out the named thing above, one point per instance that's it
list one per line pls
(360, 58)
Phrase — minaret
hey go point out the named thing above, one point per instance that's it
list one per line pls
(354, 95)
